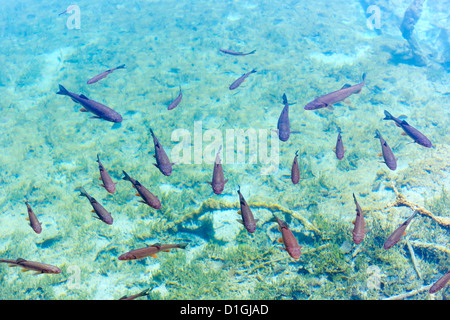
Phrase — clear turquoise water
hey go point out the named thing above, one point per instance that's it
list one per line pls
(303, 49)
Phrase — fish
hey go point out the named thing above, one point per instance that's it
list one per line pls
(26, 265)
(388, 155)
(413, 133)
(108, 184)
(150, 251)
(359, 230)
(101, 212)
(283, 125)
(104, 74)
(162, 160)
(234, 53)
(247, 220)
(34, 222)
(241, 79)
(175, 102)
(138, 295)
(326, 101)
(101, 111)
(290, 242)
(339, 146)
(147, 197)
(440, 283)
(395, 237)
(295, 171)
(218, 181)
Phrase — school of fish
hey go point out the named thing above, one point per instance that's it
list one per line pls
(218, 182)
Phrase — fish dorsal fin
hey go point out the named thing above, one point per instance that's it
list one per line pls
(84, 97)
(346, 86)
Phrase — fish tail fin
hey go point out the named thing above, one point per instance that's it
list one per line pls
(354, 197)
(127, 177)
(182, 245)
(285, 101)
(364, 77)
(98, 158)
(252, 52)
(122, 66)
(377, 134)
(146, 292)
(82, 191)
(63, 91)
(253, 71)
(276, 218)
(414, 214)
(388, 116)
(218, 154)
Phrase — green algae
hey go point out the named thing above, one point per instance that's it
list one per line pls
(439, 205)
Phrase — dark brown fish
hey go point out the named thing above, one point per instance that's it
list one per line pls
(218, 180)
(284, 128)
(32, 265)
(295, 171)
(440, 283)
(162, 160)
(326, 101)
(101, 111)
(108, 184)
(150, 251)
(395, 237)
(241, 79)
(417, 136)
(34, 222)
(388, 155)
(175, 102)
(234, 53)
(359, 230)
(339, 146)
(138, 295)
(247, 220)
(101, 212)
(290, 242)
(104, 74)
(147, 197)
